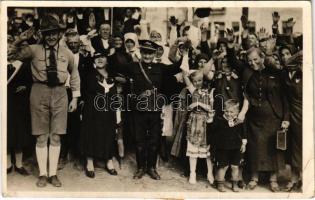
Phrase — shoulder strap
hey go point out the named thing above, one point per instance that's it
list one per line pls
(145, 75)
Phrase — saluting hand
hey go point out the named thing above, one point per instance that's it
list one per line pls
(27, 34)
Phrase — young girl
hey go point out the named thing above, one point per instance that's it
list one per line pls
(201, 114)
(229, 141)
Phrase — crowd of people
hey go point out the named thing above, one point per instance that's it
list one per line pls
(80, 88)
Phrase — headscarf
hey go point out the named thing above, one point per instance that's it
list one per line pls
(135, 52)
(134, 38)
(164, 58)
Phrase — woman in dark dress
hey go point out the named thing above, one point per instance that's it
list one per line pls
(292, 76)
(267, 113)
(19, 130)
(97, 139)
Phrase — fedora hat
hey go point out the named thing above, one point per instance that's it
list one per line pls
(49, 23)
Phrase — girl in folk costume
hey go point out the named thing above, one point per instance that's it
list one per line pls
(201, 113)
(180, 126)
(97, 139)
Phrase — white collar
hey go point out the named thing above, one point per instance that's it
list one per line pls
(231, 122)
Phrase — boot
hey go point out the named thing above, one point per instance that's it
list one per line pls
(153, 173)
(152, 156)
(139, 173)
(140, 157)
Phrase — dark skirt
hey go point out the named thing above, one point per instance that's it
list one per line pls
(97, 138)
(263, 125)
(19, 122)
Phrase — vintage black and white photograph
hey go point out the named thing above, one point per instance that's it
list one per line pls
(140, 99)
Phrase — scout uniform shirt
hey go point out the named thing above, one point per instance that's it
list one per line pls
(65, 62)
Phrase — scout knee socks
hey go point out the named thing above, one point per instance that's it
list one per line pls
(54, 152)
(42, 154)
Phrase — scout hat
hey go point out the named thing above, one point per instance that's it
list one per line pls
(148, 45)
(49, 23)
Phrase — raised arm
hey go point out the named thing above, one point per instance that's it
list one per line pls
(21, 52)
(230, 53)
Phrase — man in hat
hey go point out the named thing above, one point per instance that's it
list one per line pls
(149, 81)
(50, 64)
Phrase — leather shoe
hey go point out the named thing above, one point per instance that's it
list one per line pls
(112, 172)
(22, 171)
(54, 181)
(42, 181)
(9, 170)
(153, 174)
(139, 174)
(89, 174)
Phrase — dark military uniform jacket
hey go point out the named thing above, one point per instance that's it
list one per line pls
(144, 93)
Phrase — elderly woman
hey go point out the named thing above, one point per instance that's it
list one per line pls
(267, 106)
(97, 137)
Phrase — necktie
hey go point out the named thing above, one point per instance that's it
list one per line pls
(52, 78)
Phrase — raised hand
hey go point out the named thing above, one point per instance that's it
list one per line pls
(262, 34)
(230, 35)
(270, 45)
(27, 34)
(275, 17)
(173, 20)
(290, 23)
(244, 21)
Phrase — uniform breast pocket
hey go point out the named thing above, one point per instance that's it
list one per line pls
(62, 64)
(39, 63)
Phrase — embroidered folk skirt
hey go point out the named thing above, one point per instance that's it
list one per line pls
(196, 135)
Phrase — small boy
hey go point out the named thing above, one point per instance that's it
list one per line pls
(228, 140)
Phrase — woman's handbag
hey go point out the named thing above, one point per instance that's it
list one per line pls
(282, 140)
